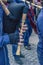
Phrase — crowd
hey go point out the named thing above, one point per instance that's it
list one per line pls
(17, 19)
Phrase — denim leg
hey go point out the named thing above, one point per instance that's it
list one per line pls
(2, 56)
(6, 55)
(28, 32)
(26, 36)
(40, 55)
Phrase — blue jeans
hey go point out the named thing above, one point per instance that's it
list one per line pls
(6, 55)
(2, 56)
(40, 55)
(28, 32)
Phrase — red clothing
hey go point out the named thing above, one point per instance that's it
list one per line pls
(30, 15)
(38, 0)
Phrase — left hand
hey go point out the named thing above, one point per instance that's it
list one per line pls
(24, 28)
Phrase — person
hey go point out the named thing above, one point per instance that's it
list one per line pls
(3, 51)
(16, 19)
(40, 35)
(27, 33)
(9, 36)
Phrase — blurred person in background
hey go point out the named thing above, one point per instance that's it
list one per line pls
(40, 34)
(3, 50)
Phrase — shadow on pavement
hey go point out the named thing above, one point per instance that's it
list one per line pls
(18, 60)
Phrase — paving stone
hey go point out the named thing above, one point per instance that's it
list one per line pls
(30, 55)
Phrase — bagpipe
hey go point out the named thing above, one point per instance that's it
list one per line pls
(34, 5)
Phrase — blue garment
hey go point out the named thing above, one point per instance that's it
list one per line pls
(1, 16)
(40, 34)
(2, 48)
(2, 57)
(28, 32)
(4, 39)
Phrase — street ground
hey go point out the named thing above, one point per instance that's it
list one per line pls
(30, 55)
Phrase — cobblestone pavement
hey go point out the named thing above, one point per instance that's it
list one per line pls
(30, 55)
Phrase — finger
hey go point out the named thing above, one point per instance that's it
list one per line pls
(21, 37)
(21, 34)
(19, 43)
(21, 40)
(24, 28)
(24, 25)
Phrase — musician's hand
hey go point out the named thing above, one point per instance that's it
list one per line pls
(24, 27)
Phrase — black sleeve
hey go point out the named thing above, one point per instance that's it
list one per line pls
(9, 1)
(10, 16)
(25, 10)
